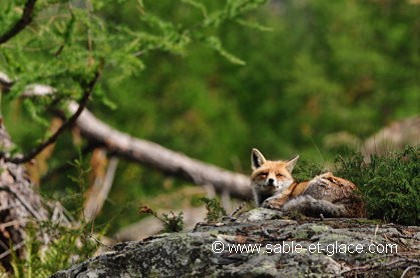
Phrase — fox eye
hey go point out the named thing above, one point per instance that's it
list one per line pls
(279, 175)
(262, 175)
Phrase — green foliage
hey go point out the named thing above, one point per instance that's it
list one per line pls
(73, 196)
(390, 184)
(66, 247)
(326, 68)
(306, 170)
(82, 169)
(68, 40)
(215, 211)
(172, 222)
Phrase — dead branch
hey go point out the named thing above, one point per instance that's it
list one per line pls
(154, 155)
(25, 20)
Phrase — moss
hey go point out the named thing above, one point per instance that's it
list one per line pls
(319, 228)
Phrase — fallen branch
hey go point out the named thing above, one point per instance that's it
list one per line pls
(165, 160)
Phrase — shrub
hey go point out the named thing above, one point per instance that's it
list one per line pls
(172, 222)
(215, 211)
(306, 170)
(390, 184)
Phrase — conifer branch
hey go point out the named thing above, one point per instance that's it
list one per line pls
(82, 104)
(25, 20)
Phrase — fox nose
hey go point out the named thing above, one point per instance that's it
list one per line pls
(270, 181)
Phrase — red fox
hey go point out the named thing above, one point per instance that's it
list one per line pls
(274, 187)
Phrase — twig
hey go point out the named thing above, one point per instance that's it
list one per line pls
(398, 263)
(99, 242)
(28, 207)
(9, 251)
(236, 210)
(408, 269)
(25, 20)
(11, 223)
(82, 104)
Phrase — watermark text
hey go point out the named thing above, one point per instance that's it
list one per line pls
(289, 247)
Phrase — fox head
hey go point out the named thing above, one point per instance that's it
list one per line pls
(271, 176)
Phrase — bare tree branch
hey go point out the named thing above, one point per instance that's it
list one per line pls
(25, 20)
(83, 102)
(160, 158)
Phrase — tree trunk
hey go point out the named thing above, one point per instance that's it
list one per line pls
(19, 203)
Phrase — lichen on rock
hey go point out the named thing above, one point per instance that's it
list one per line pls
(271, 247)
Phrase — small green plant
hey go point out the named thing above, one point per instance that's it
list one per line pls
(75, 199)
(51, 246)
(215, 211)
(390, 184)
(172, 222)
(66, 246)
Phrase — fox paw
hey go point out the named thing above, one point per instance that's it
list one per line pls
(271, 203)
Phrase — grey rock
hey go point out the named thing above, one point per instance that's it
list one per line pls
(281, 248)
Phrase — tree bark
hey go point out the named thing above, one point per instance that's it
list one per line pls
(19, 203)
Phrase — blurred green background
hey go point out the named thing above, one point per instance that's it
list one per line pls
(318, 77)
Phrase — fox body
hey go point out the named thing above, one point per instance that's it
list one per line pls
(274, 187)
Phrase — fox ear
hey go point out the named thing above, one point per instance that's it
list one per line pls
(257, 159)
(291, 164)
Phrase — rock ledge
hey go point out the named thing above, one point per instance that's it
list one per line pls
(287, 248)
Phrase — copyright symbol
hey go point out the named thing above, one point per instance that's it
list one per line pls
(217, 247)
